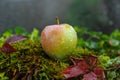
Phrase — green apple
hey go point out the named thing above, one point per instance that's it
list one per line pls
(58, 41)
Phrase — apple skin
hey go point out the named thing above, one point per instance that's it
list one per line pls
(58, 41)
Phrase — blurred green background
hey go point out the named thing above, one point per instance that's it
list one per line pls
(98, 15)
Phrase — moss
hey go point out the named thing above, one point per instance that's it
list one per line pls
(30, 61)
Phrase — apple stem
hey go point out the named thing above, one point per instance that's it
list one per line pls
(57, 20)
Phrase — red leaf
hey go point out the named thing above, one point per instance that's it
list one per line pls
(99, 72)
(16, 38)
(93, 60)
(67, 70)
(90, 76)
(7, 48)
(76, 61)
(80, 67)
(80, 62)
(73, 71)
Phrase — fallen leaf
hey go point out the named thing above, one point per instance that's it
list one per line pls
(86, 67)
(15, 38)
(99, 72)
(92, 60)
(90, 76)
(7, 48)
(80, 67)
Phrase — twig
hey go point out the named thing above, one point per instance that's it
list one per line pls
(114, 67)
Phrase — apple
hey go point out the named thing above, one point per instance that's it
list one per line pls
(58, 41)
